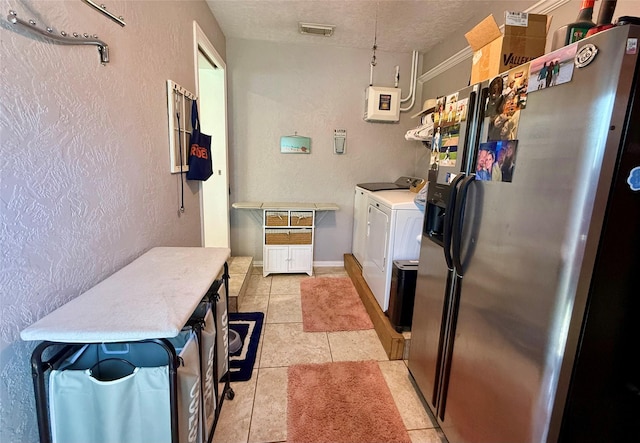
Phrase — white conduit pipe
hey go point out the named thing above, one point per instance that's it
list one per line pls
(414, 78)
(414, 73)
(371, 75)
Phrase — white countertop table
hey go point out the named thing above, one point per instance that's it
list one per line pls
(152, 297)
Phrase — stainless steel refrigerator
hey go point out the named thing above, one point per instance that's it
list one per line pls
(528, 288)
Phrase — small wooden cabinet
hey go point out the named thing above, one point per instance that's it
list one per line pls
(288, 236)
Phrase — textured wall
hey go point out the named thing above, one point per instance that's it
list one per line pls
(279, 89)
(85, 185)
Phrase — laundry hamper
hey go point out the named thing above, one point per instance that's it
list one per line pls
(119, 392)
(143, 304)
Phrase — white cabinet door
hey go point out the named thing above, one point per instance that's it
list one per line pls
(300, 259)
(276, 259)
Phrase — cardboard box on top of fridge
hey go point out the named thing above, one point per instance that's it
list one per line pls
(524, 38)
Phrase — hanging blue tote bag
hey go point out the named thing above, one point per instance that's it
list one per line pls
(200, 162)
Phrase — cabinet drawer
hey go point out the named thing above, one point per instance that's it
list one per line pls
(300, 237)
(276, 237)
(276, 218)
(301, 218)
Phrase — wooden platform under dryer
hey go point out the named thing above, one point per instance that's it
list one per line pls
(392, 341)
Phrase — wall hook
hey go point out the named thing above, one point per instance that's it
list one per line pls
(103, 48)
(103, 9)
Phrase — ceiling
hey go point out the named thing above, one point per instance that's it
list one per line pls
(402, 25)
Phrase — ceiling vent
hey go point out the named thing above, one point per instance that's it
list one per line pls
(316, 29)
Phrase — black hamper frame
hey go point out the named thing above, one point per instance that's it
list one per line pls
(212, 296)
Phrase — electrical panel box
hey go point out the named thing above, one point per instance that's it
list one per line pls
(382, 104)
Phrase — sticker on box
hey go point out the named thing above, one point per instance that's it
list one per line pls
(516, 19)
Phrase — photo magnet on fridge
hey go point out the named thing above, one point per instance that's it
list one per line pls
(552, 69)
(496, 161)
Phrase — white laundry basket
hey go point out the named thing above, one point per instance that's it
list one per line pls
(114, 393)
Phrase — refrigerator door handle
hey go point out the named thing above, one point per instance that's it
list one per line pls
(458, 221)
(469, 130)
(448, 219)
(482, 107)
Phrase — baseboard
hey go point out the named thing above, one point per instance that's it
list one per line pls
(316, 264)
(392, 341)
(328, 264)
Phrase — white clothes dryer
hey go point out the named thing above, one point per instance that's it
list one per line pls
(361, 205)
(394, 228)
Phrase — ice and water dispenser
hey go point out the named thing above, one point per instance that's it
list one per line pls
(435, 211)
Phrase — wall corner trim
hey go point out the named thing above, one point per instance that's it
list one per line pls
(542, 7)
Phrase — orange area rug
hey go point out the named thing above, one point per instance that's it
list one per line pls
(346, 402)
(332, 304)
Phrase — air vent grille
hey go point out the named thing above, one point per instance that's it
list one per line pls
(316, 29)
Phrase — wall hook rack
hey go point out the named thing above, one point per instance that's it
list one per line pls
(63, 39)
(103, 9)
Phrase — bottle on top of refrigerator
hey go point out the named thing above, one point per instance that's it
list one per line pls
(605, 16)
(578, 29)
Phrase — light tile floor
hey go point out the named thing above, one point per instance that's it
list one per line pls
(258, 412)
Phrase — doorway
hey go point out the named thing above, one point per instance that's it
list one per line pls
(211, 89)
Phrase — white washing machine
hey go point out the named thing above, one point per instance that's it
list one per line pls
(394, 228)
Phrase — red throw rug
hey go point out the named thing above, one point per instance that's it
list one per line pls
(346, 402)
(332, 304)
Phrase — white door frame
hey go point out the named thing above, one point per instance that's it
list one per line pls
(214, 194)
